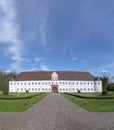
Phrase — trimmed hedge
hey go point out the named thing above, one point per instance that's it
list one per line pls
(104, 92)
(5, 92)
(22, 97)
(90, 97)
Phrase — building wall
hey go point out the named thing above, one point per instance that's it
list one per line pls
(63, 86)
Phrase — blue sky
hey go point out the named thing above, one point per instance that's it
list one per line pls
(57, 35)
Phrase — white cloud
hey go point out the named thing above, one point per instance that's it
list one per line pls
(104, 71)
(44, 10)
(107, 68)
(33, 69)
(38, 59)
(82, 60)
(9, 33)
(111, 65)
(16, 66)
(75, 58)
(44, 68)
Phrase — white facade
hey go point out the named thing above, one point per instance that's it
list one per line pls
(59, 85)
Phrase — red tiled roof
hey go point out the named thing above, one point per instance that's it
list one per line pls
(62, 75)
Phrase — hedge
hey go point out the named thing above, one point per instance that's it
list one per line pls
(90, 97)
(23, 97)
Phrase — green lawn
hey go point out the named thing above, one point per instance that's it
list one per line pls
(93, 105)
(15, 94)
(110, 93)
(18, 105)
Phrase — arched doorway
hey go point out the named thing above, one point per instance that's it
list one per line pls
(54, 88)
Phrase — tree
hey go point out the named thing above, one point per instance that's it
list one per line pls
(112, 79)
(110, 87)
(105, 82)
(4, 80)
(106, 77)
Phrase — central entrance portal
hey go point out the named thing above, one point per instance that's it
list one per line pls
(54, 88)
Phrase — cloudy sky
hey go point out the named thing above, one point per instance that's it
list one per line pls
(57, 35)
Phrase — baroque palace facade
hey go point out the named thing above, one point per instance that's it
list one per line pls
(59, 81)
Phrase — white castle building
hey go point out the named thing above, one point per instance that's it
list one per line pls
(59, 81)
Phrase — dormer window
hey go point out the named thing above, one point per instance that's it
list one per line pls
(54, 76)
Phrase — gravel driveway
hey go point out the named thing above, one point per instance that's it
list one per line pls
(55, 112)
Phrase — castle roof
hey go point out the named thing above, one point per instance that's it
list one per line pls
(62, 75)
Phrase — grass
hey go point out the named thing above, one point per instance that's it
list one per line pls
(110, 95)
(18, 105)
(93, 105)
(15, 94)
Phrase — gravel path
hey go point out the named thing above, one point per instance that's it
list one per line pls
(55, 112)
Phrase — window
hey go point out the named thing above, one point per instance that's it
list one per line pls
(32, 83)
(21, 83)
(42, 83)
(11, 83)
(91, 89)
(77, 83)
(69, 83)
(21, 89)
(88, 83)
(98, 83)
(84, 83)
(38, 83)
(73, 83)
(84, 89)
(35, 89)
(88, 89)
(81, 83)
(25, 83)
(29, 83)
(35, 83)
(38, 89)
(32, 89)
